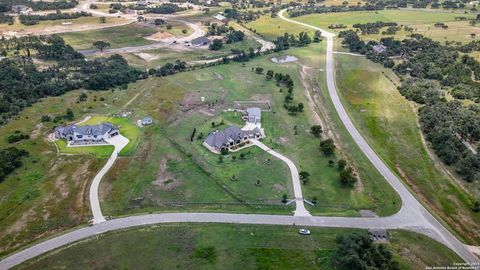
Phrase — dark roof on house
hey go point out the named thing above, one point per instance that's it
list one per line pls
(100, 129)
(220, 139)
(200, 41)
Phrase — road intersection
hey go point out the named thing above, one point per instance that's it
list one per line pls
(412, 215)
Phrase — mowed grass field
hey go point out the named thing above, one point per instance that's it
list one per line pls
(224, 246)
(270, 28)
(128, 129)
(389, 123)
(119, 36)
(421, 21)
(132, 34)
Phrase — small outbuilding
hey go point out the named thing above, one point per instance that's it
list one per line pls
(147, 121)
(379, 48)
(200, 41)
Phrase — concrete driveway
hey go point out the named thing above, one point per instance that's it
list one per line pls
(119, 142)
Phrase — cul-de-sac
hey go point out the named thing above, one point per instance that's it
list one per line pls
(240, 134)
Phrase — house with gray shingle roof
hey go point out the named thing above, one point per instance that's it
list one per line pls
(74, 134)
(231, 138)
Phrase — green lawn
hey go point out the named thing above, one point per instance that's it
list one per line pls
(132, 34)
(421, 21)
(270, 28)
(224, 246)
(120, 36)
(127, 129)
(389, 124)
(402, 17)
(274, 177)
(286, 133)
(97, 151)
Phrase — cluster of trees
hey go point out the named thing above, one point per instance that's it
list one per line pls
(358, 251)
(169, 69)
(17, 136)
(217, 30)
(286, 81)
(6, 5)
(22, 84)
(347, 176)
(235, 36)
(4, 18)
(166, 8)
(216, 45)
(231, 35)
(356, 44)
(34, 19)
(401, 3)
(242, 16)
(337, 26)
(314, 9)
(373, 28)
(453, 131)
(289, 40)
(10, 159)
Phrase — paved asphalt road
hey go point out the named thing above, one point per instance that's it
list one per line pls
(412, 216)
(297, 187)
(411, 210)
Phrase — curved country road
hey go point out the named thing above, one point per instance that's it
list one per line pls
(412, 216)
(411, 207)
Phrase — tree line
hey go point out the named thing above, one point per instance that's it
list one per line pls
(6, 5)
(22, 84)
(289, 40)
(35, 19)
(430, 69)
(166, 8)
(10, 159)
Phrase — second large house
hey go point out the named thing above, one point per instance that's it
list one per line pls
(234, 138)
(74, 134)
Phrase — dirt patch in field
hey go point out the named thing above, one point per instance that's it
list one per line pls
(160, 36)
(165, 180)
(147, 56)
(38, 128)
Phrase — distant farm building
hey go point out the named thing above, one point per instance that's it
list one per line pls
(379, 48)
(21, 9)
(200, 41)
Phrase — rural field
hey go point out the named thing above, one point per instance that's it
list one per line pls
(184, 246)
(222, 85)
(422, 22)
(343, 147)
(133, 34)
(389, 123)
(58, 26)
